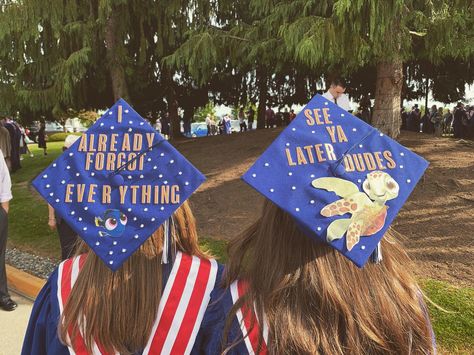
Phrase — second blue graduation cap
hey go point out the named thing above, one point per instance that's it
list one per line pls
(118, 183)
(342, 180)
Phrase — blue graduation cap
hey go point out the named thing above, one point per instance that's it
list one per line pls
(118, 183)
(342, 180)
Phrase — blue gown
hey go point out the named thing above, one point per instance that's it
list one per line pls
(216, 313)
(41, 336)
(228, 127)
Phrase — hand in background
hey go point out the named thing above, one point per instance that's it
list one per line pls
(52, 223)
(5, 206)
(52, 218)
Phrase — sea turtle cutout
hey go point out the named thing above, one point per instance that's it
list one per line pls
(367, 208)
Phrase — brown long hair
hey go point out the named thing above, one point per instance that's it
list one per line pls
(119, 307)
(318, 302)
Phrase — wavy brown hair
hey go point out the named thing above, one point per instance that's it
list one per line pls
(119, 308)
(318, 302)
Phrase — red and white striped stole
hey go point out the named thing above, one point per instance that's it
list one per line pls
(249, 322)
(180, 312)
(68, 271)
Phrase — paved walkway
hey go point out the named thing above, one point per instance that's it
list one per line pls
(13, 326)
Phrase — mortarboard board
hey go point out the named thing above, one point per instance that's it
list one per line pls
(342, 180)
(118, 183)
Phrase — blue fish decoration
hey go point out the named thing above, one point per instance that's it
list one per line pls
(113, 221)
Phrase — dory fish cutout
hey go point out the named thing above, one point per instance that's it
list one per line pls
(368, 209)
(113, 221)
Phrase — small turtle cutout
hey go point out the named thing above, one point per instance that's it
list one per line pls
(367, 208)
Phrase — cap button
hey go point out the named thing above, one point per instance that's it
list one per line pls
(117, 180)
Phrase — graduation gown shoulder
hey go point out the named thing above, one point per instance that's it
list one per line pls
(220, 305)
(209, 325)
(41, 336)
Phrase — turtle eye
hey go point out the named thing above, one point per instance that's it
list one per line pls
(123, 219)
(111, 223)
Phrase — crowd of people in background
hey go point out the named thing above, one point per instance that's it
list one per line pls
(439, 121)
(280, 118)
(13, 143)
(244, 120)
(458, 122)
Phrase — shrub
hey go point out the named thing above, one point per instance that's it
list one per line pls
(59, 137)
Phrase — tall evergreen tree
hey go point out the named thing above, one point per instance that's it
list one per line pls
(232, 41)
(338, 36)
(50, 50)
(345, 35)
(62, 54)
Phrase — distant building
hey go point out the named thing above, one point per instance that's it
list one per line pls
(74, 125)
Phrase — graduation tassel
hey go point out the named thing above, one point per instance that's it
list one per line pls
(376, 256)
(166, 242)
(172, 252)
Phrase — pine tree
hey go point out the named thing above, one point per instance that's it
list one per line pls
(52, 52)
(338, 36)
(230, 41)
(345, 35)
(63, 54)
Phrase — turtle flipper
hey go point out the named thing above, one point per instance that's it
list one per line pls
(353, 234)
(337, 229)
(342, 188)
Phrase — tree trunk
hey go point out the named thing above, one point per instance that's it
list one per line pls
(175, 130)
(113, 50)
(172, 103)
(301, 91)
(388, 88)
(261, 75)
(426, 95)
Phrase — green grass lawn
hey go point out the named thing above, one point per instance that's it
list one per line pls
(454, 329)
(29, 231)
(28, 224)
